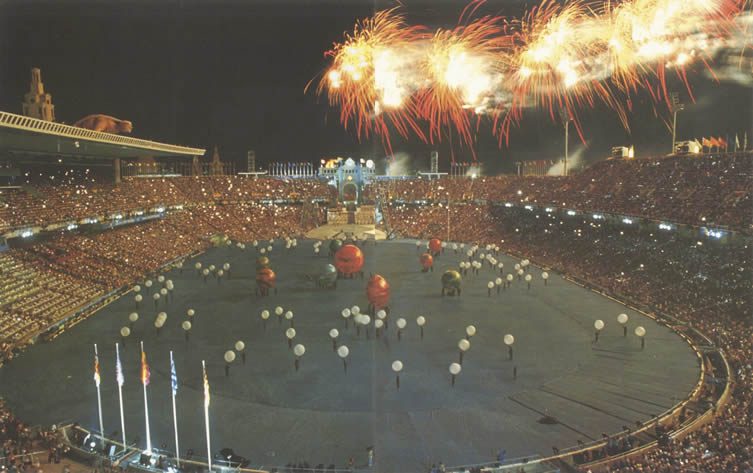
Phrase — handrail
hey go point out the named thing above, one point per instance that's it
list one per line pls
(19, 122)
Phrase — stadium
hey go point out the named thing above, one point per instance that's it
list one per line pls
(415, 291)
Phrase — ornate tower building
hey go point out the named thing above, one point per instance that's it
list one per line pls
(37, 103)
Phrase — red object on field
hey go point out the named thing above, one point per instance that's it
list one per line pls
(378, 292)
(349, 260)
(435, 245)
(266, 278)
(427, 261)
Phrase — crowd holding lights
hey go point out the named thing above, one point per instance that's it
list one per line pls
(557, 56)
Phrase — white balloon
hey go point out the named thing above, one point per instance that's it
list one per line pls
(365, 319)
(155, 296)
(265, 314)
(239, 345)
(212, 267)
(510, 277)
(229, 356)
(299, 350)
(190, 312)
(464, 344)
(205, 272)
(161, 278)
(470, 330)
(498, 281)
(622, 318)
(334, 333)
(125, 331)
(545, 275)
(455, 368)
(288, 315)
(186, 325)
(599, 324)
(378, 323)
(528, 278)
(345, 313)
(640, 331)
(133, 316)
(381, 314)
(401, 323)
(290, 333)
(159, 323)
(220, 273)
(148, 283)
(342, 351)
(508, 339)
(278, 310)
(490, 284)
(163, 291)
(138, 298)
(226, 266)
(137, 288)
(355, 310)
(421, 320)
(197, 266)
(397, 366)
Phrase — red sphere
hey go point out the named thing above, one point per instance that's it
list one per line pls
(435, 245)
(349, 260)
(427, 261)
(266, 278)
(378, 292)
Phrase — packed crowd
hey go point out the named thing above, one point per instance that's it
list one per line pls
(704, 191)
(23, 449)
(45, 282)
(706, 283)
(74, 200)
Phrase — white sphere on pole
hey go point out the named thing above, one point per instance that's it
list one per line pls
(470, 330)
(289, 315)
(125, 331)
(599, 324)
(229, 356)
(464, 344)
(278, 310)
(455, 368)
(299, 350)
(421, 320)
(622, 318)
(381, 314)
(334, 333)
(190, 312)
(345, 313)
(640, 331)
(401, 323)
(544, 275)
(508, 339)
(290, 333)
(342, 351)
(239, 345)
(264, 314)
(133, 317)
(137, 288)
(528, 278)
(148, 283)
(138, 298)
(355, 310)
(397, 366)
(186, 325)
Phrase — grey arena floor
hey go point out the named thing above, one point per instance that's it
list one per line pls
(273, 415)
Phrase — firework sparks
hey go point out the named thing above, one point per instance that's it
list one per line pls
(389, 75)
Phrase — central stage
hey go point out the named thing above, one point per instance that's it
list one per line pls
(273, 415)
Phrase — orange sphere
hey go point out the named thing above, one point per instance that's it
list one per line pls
(349, 259)
(378, 291)
(266, 278)
(427, 261)
(435, 245)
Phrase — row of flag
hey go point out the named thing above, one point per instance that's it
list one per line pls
(720, 142)
(146, 375)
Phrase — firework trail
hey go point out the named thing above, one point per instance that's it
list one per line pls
(562, 58)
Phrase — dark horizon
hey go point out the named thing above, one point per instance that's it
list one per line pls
(233, 74)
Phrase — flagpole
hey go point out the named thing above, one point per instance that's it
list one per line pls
(206, 415)
(120, 396)
(146, 405)
(99, 396)
(173, 387)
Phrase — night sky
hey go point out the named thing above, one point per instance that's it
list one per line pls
(232, 74)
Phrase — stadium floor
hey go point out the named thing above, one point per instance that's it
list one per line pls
(273, 415)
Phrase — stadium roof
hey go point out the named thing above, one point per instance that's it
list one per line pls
(33, 136)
